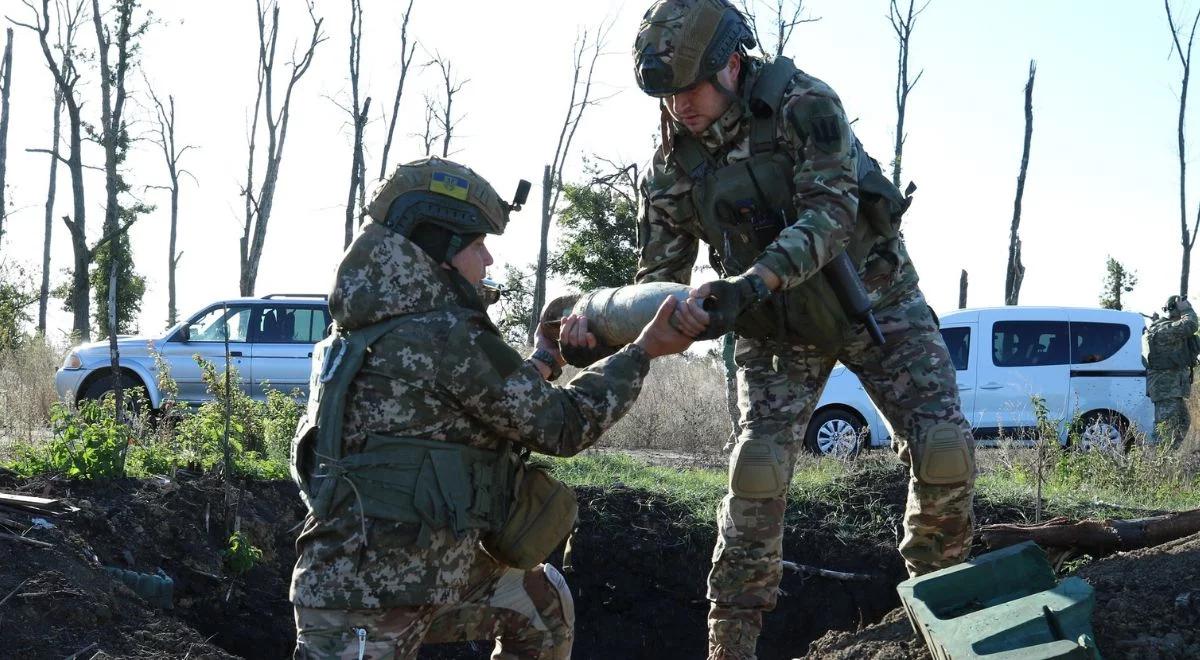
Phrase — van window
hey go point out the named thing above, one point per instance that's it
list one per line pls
(1029, 343)
(1095, 342)
(958, 341)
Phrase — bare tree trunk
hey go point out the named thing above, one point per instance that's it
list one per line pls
(51, 192)
(903, 24)
(552, 177)
(5, 90)
(962, 290)
(406, 56)
(1185, 59)
(358, 116)
(171, 154)
(445, 113)
(539, 288)
(1016, 270)
(114, 354)
(65, 75)
(428, 137)
(259, 204)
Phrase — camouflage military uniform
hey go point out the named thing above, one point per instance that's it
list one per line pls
(443, 375)
(911, 377)
(1172, 343)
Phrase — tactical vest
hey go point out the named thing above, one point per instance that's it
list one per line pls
(1171, 347)
(743, 206)
(408, 480)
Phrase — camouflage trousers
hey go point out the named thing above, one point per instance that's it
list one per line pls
(912, 380)
(1171, 420)
(530, 614)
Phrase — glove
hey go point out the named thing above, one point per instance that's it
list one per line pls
(727, 299)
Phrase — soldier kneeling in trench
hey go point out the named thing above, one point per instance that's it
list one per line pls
(424, 523)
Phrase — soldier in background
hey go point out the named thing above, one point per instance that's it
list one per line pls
(407, 458)
(1172, 349)
(758, 161)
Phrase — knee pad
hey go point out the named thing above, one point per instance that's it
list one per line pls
(556, 580)
(944, 456)
(758, 470)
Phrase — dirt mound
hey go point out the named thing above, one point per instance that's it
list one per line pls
(638, 575)
(1147, 607)
(63, 601)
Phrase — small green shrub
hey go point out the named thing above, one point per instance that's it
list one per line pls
(89, 442)
(240, 555)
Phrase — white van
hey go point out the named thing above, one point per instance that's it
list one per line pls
(1086, 364)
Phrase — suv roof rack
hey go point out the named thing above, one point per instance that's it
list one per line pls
(272, 296)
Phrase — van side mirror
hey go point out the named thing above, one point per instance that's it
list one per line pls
(185, 333)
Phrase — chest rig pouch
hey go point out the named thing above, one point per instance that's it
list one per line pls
(743, 206)
(417, 481)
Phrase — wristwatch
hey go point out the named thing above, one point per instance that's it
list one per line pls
(547, 358)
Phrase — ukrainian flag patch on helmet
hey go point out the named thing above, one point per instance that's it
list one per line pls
(449, 185)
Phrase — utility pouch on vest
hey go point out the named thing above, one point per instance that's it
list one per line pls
(543, 513)
(409, 480)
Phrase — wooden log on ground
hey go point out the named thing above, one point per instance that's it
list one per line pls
(1096, 537)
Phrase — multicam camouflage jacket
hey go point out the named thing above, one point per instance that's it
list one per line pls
(811, 127)
(1172, 345)
(444, 374)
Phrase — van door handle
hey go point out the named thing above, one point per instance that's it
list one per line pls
(991, 386)
(963, 387)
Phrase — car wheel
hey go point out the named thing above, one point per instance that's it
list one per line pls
(105, 386)
(1101, 431)
(835, 432)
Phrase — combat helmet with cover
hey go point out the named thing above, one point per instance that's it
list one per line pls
(441, 206)
(682, 43)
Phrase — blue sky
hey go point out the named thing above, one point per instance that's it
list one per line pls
(1103, 175)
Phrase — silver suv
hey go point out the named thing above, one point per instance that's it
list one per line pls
(270, 341)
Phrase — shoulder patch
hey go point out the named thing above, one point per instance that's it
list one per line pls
(503, 358)
(819, 121)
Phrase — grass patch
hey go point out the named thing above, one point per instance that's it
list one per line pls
(697, 490)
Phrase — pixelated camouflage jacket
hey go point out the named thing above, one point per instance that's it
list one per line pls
(443, 374)
(1171, 355)
(825, 191)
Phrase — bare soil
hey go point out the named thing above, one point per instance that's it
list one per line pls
(637, 570)
(1147, 607)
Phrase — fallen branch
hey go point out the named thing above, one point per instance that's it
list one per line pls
(81, 651)
(22, 539)
(805, 569)
(10, 594)
(1096, 537)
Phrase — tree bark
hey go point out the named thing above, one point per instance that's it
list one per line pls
(902, 24)
(358, 117)
(1016, 270)
(1096, 537)
(5, 90)
(539, 287)
(51, 192)
(552, 178)
(962, 290)
(1186, 239)
(65, 77)
(259, 205)
(406, 57)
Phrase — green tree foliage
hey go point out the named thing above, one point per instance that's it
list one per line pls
(1117, 280)
(130, 286)
(17, 293)
(516, 303)
(599, 239)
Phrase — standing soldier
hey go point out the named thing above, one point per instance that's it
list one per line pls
(1172, 350)
(759, 162)
(424, 524)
